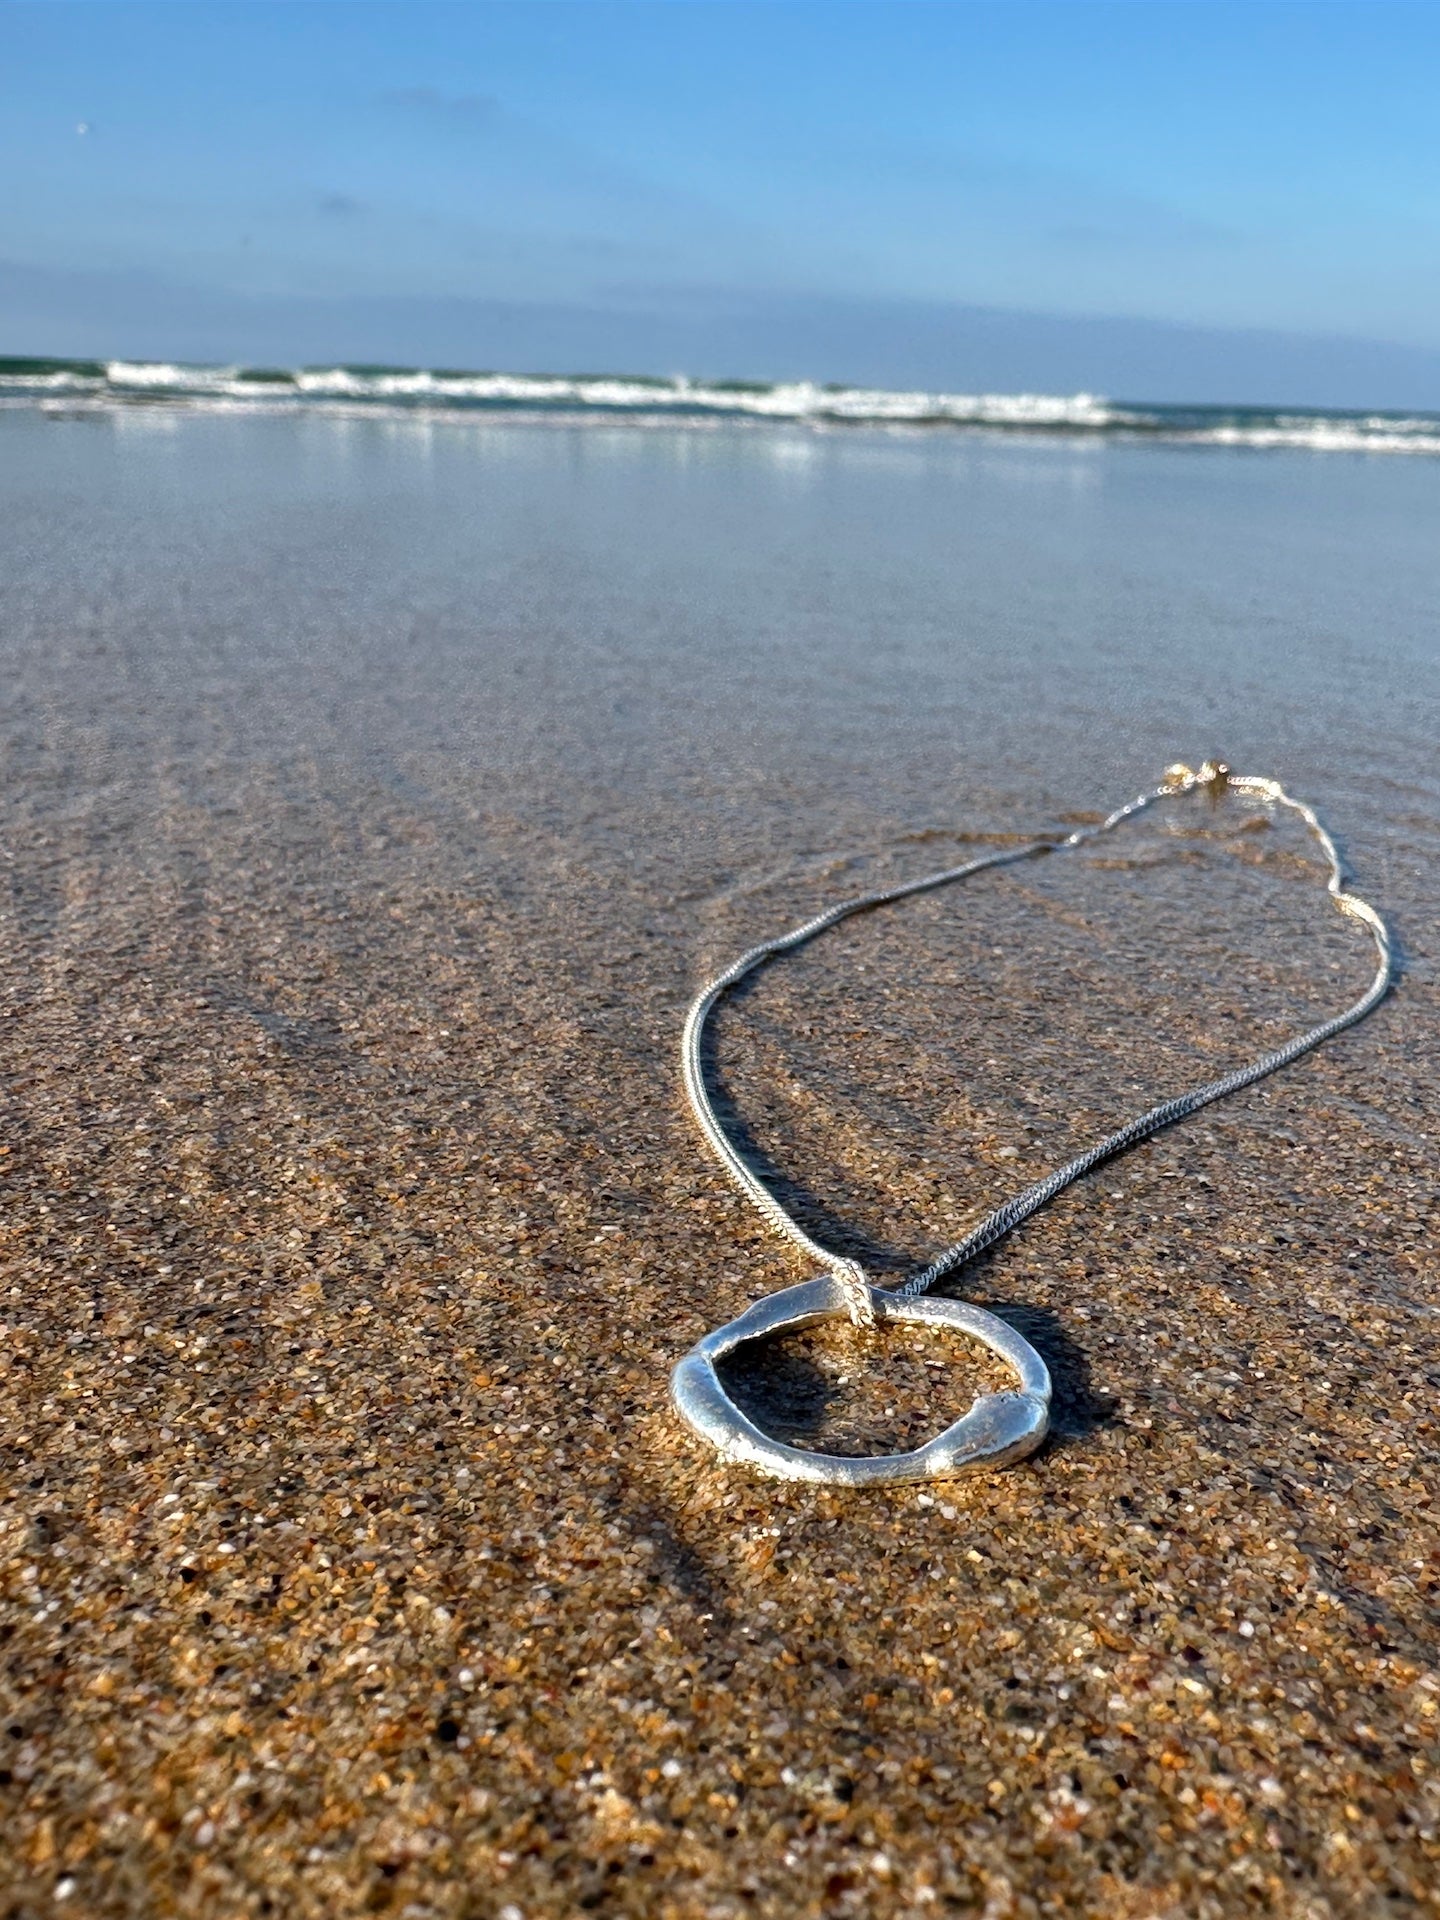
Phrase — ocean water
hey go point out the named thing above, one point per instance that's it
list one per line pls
(707, 682)
(87, 385)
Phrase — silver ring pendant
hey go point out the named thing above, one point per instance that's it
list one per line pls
(999, 1428)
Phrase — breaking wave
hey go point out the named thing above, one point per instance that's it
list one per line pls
(90, 385)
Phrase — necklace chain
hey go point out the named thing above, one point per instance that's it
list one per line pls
(1213, 778)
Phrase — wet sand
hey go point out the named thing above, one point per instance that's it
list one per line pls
(375, 799)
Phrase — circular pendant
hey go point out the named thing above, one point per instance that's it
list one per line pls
(999, 1428)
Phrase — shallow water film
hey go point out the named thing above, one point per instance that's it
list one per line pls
(379, 791)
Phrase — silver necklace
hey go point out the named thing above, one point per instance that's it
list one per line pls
(1000, 1427)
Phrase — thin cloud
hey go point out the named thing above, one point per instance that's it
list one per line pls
(474, 107)
(1088, 211)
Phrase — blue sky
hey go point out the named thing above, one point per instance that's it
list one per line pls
(1206, 196)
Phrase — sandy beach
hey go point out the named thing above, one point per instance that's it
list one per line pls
(376, 797)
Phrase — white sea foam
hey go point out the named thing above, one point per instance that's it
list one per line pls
(420, 392)
(798, 400)
(1326, 435)
(161, 375)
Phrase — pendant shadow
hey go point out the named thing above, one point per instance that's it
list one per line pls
(776, 1384)
(1077, 1408)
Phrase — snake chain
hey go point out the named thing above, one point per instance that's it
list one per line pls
(1212, 777)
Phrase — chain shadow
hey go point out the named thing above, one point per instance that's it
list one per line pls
(794, 1196)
